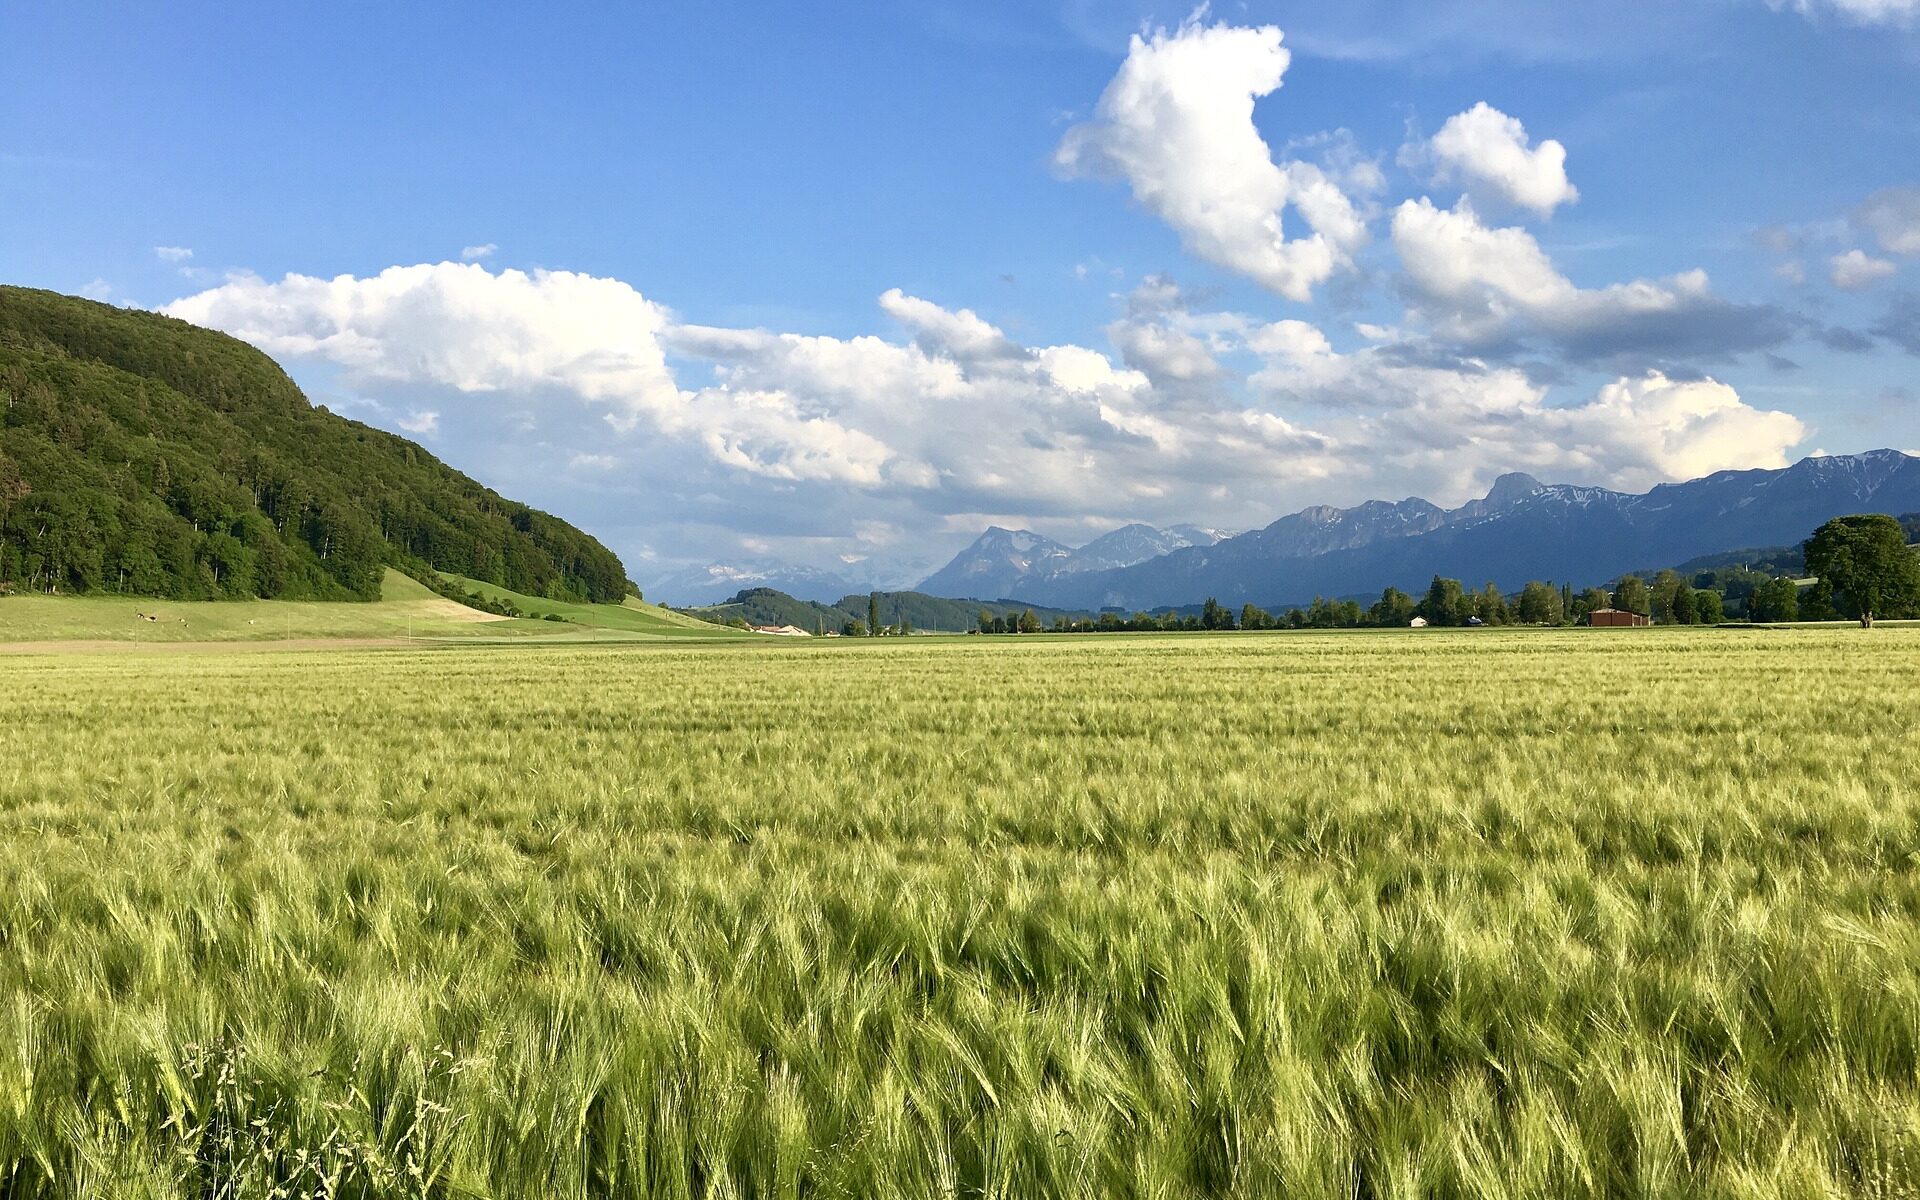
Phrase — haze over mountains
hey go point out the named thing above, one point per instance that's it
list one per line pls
(1521, 530)
(1000, 561)
(711, 583)
(996, 561)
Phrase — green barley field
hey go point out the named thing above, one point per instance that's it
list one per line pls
(1475, 914)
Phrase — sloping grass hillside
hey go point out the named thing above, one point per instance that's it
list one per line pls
(632, 615)
(405, 608)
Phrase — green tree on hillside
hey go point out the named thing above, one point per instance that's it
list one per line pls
(1681, 606)
(1445, 603)
(1214, 615)
(1394, 607)
(1490, 606)
(1539, 604)
(1631, 596)
(1774, 600)
(143, 455)
(1816, 603)
(1666, 586)
(13, 487)
(1865, 560)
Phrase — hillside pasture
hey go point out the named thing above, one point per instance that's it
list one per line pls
(632, 616)
(406, 611)
(1608, 913)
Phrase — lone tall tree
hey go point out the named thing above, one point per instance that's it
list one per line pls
(1866, 561)
(873, 614)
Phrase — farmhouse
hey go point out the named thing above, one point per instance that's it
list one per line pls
(780, 630)
(1607, 617)
(1417, 623)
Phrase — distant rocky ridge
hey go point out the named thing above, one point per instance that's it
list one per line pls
(1002, 561)
(712, 583)
(1521, 530)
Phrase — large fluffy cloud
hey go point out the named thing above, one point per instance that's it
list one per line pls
(1458, 423)
(541, 335)
(1176, 124)
(1483, 285)
(1051, 430)
(722, 436)
(461, 326)
(1488, 152)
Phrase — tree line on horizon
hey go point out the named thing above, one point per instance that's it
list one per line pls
(1862, 566)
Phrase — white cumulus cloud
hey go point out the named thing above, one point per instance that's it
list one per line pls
(1176, 124)
(1662, 429)
(460, 326)
(1481, 284)
(1459, 425)
(1855, 269)
(961, 333)
(1489, 153)
(552, 335)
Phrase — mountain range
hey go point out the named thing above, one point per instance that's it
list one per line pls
(712, 583)
(1001, 562)
(996, 561)
(1521, 530)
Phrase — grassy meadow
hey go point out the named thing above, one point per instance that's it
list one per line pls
(631, 616)
(406, 610)
(1475, 914)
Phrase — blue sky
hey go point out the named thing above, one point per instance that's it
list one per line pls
(840, 284)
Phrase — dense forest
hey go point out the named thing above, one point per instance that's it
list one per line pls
(144, 455)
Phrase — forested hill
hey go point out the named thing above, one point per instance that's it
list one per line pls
(142, 454)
